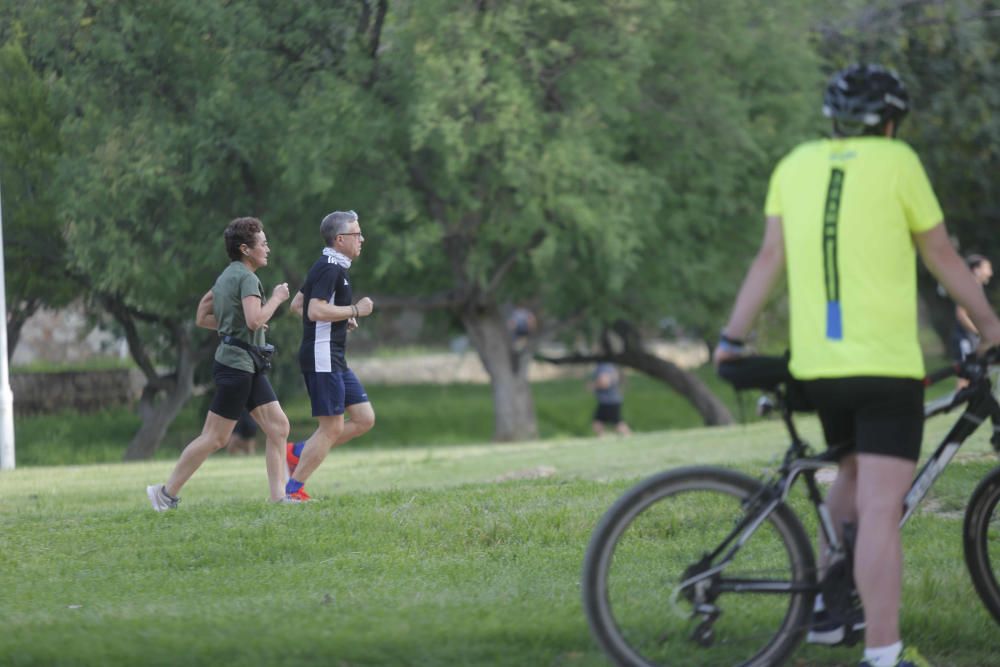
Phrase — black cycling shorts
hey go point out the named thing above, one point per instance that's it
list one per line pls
(236, 390)
(871, 415)
(608, 413)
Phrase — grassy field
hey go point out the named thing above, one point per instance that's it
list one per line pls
(407, 415)
(418, 555)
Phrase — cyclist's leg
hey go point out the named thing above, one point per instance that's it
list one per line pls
(841, 501)
(878, 558)
(889, 431)
(834, 401)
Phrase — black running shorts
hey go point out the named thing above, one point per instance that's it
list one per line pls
(871, 415)
(608, 413)
(236, 389)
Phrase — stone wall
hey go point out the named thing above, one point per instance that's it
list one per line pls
(85, 391)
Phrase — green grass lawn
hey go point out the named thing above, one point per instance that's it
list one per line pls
(407, 415)
(415, 555)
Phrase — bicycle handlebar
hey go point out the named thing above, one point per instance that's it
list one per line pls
(766, 373)
(970, 368)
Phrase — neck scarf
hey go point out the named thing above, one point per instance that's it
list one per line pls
(338, 257)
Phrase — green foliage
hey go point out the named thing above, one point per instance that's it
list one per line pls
(948, 54)
(29, 147)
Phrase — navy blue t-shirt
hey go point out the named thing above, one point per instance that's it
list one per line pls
(324, 343)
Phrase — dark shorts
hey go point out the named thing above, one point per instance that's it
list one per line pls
(236, 390)
(246, 427)
(871, 415)
(608, 413)
(331, 393)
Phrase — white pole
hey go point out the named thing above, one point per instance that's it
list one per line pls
(6, 395)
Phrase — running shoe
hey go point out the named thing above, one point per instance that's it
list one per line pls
(909, 658)
(299, 496)
(830, 631)
(160, 499)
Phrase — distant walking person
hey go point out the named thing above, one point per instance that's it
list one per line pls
(607, 387)
(237, 309)
(965, 335)
(328, 312)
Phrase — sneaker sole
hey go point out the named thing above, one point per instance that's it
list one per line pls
(831, 637)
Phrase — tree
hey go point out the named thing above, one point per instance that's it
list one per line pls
(563, 154)
(29, 148)
(947, 54)
(172, 117)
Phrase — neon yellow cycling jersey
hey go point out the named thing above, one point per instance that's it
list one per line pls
(848, 209)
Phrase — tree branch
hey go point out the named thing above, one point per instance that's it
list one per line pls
(441, 300)
(508, 262)
(126, 319)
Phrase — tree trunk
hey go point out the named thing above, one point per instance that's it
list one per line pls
(16, 318)
(158, 412)
(713, 411)
(513, 406)
(621, 344)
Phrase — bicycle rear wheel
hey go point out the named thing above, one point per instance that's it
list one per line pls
(649, 590)
(981, 539)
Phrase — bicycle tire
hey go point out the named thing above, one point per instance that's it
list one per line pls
(980, 534)
(697, 495)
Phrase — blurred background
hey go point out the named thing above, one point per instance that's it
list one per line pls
(600, 166)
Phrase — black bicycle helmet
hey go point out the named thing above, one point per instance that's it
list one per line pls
(863, 97)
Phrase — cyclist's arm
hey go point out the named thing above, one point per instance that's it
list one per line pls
(758, 283)
(941, 259)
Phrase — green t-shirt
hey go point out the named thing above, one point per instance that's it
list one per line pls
(848, 209)
(232, 285)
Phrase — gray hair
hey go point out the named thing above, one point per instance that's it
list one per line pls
(336, 223)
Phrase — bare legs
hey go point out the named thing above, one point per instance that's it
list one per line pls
(214, 435)
(621, 428)
(274, 423)
(333, 432)
(872, 491)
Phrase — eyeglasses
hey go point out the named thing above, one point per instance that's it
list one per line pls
(349, 234)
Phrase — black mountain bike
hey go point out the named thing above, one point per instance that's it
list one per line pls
(708, 566)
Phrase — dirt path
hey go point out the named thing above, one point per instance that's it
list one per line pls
(449, 368)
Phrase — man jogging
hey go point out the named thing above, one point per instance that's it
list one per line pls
(328, 311)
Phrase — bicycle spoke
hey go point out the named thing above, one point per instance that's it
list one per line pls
(670, 605)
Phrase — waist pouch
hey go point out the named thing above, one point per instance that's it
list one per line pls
(261, 354)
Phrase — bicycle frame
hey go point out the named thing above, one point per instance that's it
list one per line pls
(980, 404)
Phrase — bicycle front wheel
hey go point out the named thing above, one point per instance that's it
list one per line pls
(981, 539)
(687, 569)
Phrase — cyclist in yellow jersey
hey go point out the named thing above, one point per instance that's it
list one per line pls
(845, 218)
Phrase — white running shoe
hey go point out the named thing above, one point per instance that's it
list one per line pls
(160, 500)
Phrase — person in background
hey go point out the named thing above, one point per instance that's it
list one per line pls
(328, 313)
(606, 384)
(237, 309)
(521, 324)
(965, 335)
